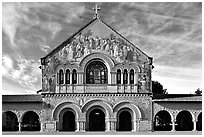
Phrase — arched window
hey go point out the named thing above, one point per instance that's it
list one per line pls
(61, 77)
(67, 77)
(96, 73)
(74, 77)
(125, 77)
(118, 76)
(131, 76)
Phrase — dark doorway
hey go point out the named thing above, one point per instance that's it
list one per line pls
(96, 73)
(30, 122)
(184, 121)
(162, 121)
(69, 121)
(125, 121)
(199, 123)
(96, 120)
(9, 121)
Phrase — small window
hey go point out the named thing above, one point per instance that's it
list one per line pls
(131, 76)
(61, 77)
(67, 77)
(118, 76)
(74, 77)
(125, 77)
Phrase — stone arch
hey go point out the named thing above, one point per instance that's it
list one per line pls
(101, 103)
(32, 119)
(67, 120)
(163, 121)
(9, 121)
(59, 67)
(125, 119)
(62, 106)
(135, 109)
(184, 121)
(136, 68)
(95, 118)
(101, 56)
(199, 122)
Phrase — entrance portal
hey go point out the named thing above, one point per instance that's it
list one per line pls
(125, 121)
(69, 121)
(97, 120)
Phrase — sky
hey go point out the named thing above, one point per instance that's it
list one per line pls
(171, 33)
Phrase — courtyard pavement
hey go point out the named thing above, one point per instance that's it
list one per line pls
(107, 133)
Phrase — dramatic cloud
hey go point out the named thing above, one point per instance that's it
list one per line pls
(171, 33)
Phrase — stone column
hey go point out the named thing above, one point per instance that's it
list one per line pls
(41, 126)
(113, 78)
(128, 77)
(135, 125)
(81, 122)
(64, 78)
(110, 125)
(136, 82)
(194, 125)
(173, 125)
(122, 86)
(70, 78)
(19, 126)
(80, 78)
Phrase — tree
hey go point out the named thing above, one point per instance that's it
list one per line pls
(198, 92)
(157, 88)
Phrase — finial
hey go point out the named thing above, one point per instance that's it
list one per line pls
(96, 9)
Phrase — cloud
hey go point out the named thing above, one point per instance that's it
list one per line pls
(25, 72)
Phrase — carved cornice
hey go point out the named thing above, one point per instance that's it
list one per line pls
(57, 95)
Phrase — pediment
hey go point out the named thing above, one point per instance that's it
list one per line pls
(97, 37)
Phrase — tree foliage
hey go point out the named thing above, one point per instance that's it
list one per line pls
(198, 92)
(157, 88)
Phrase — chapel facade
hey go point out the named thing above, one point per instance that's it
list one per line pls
(97, 80)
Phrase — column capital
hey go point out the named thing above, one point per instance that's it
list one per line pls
(81, 119)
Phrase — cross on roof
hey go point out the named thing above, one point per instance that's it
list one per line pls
(96, 9)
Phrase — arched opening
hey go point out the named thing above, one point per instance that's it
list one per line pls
(118, 76)
(96, 73)
(125, 77)
(61, 77)
(30, 122)
(162, 121)
(74, 77)
(131, 76)
(67, 77)
(9, 121)
(199, 122)
(124, 119)
(96, 120)
(69, 121)
(184, 121)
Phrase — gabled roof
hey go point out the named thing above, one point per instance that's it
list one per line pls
(63, 44)
(68, 40)
(21, 98)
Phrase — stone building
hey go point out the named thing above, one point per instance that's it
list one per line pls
(97, 80)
